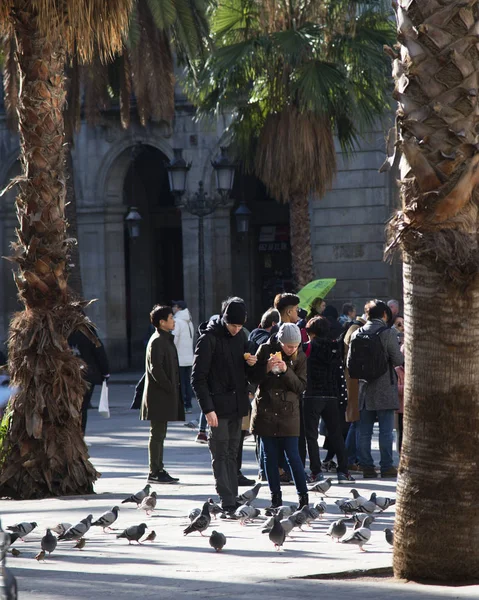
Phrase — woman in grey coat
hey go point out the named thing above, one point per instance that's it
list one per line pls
(378, 399)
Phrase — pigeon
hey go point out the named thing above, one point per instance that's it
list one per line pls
(267, 526)
(23, 529)
(215, 509)
(337, 529)
(389, 536)
(277, 534)
(347, 506)
(61, 528)
(10, 539)
(360, 536)
(40, 556)
(282, 511)
(300, 517)
(381, 502)
(357, 496)
(359, 517)
(194, 513)
(367, 507)
(148, 503)
(77, 531)
(16, 552)
(133, 533)
(287, 524)
(322, 486)
(107, 518)
(151, 536)
(49, 542)
(321, 508)
(217, 540)
(201, 522)
(250, 494)
(246, 513)
(312, 514)
(80, 544)
(138, 497)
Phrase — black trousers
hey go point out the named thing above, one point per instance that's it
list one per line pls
(85, 404)
(328, 408)
(224, 442)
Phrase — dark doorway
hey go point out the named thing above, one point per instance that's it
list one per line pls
(155, 258)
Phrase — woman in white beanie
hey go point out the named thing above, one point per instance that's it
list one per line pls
(280, 374)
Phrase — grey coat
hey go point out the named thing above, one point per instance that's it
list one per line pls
(381, 394)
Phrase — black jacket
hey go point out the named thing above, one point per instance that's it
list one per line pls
(324, 363)
(94, 356)
(219, 371)
(256, 338)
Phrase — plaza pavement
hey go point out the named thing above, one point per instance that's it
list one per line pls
(175, 566)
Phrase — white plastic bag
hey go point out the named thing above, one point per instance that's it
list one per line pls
(103, 408)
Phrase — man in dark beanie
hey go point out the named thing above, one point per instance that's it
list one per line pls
(220, 384)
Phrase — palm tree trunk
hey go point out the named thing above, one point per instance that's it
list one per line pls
(436, 76)
(74, 278)
(437, 488)
(43, 453)
(300, 235)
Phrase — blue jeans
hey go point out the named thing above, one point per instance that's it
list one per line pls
(386, 424)
(272, 446)
(203, 423)
(352, 443)
(186, 391)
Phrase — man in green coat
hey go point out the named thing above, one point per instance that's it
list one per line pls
(161, 401)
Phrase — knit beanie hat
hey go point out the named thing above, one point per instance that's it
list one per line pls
(235, 312)
(289, 333)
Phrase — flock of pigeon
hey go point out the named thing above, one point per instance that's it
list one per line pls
(278, 523)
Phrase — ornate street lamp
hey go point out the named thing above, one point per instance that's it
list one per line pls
(242, 216)
(201, 204)
(132, 220)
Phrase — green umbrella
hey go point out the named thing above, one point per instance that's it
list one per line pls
(315, 289)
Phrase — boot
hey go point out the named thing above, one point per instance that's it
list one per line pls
(276, 500)
(303, 500)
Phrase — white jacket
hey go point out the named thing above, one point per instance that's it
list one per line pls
(184, 333)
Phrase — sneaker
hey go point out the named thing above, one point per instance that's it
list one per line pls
(244, 481)
(369, 473)
(354, 467)
(391, 472)
(329, 465)
(191, 424)
(345, 477)
(315, 477)
(163, 477)
(201, 438)
(188, 410)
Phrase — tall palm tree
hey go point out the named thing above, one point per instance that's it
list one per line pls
(295, 74)
(436, 67)
(43, 452)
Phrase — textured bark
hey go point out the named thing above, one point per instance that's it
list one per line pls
(436, 75)
(43, 453)
(300, 235)
(74, 278)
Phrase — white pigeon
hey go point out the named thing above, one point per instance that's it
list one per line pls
(360, 536)
(381, 502)
(23, 529)
(60, 528)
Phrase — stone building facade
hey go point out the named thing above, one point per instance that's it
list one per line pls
(115, 169)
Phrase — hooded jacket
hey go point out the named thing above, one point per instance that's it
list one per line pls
(184, 333)
(219, 370)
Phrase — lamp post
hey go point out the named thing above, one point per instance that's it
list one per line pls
(132, 220)
(201, 204)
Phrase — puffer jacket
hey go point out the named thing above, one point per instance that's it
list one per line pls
(324, 362)
(276, 411)
(184, 333)
(219, 370)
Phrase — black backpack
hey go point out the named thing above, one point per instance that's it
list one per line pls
(367, 359)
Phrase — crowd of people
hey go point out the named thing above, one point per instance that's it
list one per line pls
(297, 373)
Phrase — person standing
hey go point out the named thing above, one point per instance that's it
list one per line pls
(220, 384)
(280, 374)
(348, 314)
(161, 401)
(92, 352)
(374, 352)
(184, 332)
(261, 334)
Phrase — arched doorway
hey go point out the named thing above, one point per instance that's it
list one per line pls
(154, 259)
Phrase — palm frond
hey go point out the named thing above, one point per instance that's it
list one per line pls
(11, 82)
(125, 89)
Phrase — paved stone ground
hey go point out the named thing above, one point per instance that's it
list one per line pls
(186, 567)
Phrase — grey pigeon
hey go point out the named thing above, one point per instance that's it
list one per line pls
(347, 506)
(215, 509)
(61, 528)
(107, 519)
(133, 533)
(322, 486)
(321, 508)
(366, 506)
(217, 540)
(381, 502)
(246, 513)
(357, 496)
(77, 531)
(250, 494)
(148, 503)
(288, 524)
(282, 511)
(23, 529)
(11, 538)
(194, 513)
(359, 517)
(300, 517)
(337, 529)
(138, 497)
(202, 521)
(49, 542)
(267, 526)
(389, 536)
(360, 536)
(313, 513)
(277, 534)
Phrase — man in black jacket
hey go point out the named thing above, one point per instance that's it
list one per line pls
(219, 381)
